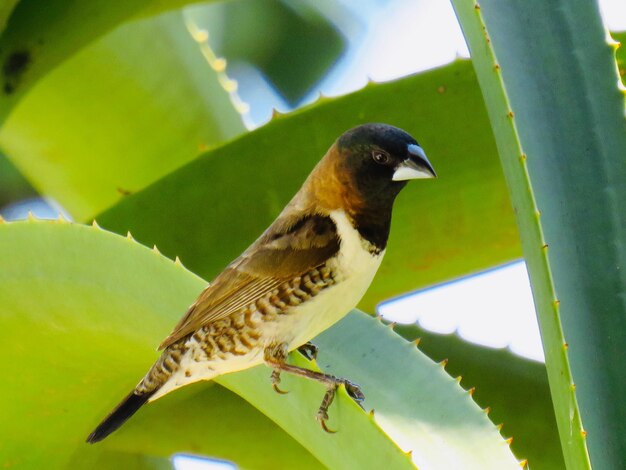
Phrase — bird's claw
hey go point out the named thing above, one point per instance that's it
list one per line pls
(309, 350)
(322, 417)
(278, 390)
(275, 381)
(354, 391)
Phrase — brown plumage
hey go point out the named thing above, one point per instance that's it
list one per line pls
(306, 271)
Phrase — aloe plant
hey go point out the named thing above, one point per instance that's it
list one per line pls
(105, 298)
(98, 302)
(562, 141)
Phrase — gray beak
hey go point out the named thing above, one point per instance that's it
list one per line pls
(415, 166)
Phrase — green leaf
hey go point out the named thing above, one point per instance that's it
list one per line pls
(291, 43)
(516, 390)
(44, 33)
(558, 117)
(83, 308)
(195, 212)
(118, 115)
(13, 186)
(621, 54)
(6, 8)
(82, 312)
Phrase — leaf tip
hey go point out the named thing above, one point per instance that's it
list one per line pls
(276, 114)
(615, 45)
(199, 35)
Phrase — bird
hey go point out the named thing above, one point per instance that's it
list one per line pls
(303, 274)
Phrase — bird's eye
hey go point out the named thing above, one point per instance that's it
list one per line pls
(380, 157)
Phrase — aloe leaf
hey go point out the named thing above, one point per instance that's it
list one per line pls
(435, 234)
(45, 33)
(118, 115)
(80, 314)
(13, 186)
(516, 389)
(6, 8)
(291, 43)
(551, 87)
(96, 303)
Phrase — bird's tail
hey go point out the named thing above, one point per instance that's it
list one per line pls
(119, 415)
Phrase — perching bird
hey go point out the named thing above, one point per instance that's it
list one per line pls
(304, 273)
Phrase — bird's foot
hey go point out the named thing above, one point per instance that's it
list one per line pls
(322, 412)
(275, 381)
(275, 358)
(309, 350)
(353, 390)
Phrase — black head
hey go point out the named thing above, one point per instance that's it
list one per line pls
(381, 159)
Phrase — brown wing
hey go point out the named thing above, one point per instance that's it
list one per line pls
(292, 246)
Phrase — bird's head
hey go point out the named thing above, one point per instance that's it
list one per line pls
(377, 160)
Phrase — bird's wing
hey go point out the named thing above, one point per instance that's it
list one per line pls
(291, 247)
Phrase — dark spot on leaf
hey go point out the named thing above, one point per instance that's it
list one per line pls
(124, 192)
(16, 63)
(13, 68)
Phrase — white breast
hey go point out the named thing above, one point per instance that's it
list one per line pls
(355, 268)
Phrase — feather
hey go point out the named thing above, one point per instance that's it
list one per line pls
(119, 416)
(294, 244)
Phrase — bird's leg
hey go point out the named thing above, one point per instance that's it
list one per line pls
(275, 357)
(309, 350)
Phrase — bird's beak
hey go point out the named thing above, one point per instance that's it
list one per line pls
(415, 166)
